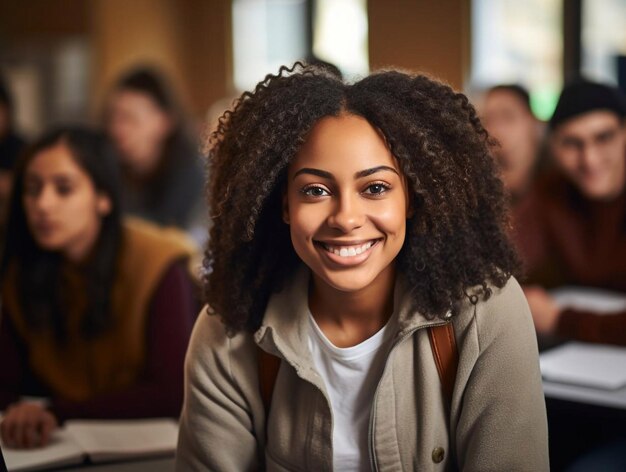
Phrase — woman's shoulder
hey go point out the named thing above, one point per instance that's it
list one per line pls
(145, 236)
(146, 254)
(213, 349)
(504, 313)
(210, 332)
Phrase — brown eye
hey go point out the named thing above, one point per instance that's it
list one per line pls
(315, 191)
(376, 189)
(64, 189)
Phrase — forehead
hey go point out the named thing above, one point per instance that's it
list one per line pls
(504, 99)
(588, 124)
(133, 100)
(344, 141)
(52, 161)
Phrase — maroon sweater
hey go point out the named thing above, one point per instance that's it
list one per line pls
(158, 391)
(565, 239)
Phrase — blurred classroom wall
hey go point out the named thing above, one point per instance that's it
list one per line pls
(189, 39)
(428, 36)
(64, 54)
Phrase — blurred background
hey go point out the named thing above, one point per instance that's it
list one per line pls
(100, 63)
(60, 57)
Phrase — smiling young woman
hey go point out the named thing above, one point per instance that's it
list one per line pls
(346, 204)
(350, 219)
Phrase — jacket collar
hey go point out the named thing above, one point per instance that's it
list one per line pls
(285, 328)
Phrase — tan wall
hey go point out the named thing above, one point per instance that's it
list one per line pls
(188, 39)
(421, 35)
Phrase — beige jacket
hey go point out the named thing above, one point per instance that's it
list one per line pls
(497, 420)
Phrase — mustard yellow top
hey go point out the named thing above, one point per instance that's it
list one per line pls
(82, 368)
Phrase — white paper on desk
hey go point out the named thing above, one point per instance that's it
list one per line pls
(117, 439)
(101, 440)
(61, 451)
(590, 299)
(590, 365)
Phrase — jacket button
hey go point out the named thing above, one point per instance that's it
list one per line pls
(438, 454)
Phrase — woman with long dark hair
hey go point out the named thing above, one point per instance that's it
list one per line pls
(163, 179)
(96, 309)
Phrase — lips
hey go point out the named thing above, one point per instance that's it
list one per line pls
(44, 228)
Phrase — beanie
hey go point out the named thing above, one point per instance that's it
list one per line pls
(583, 96)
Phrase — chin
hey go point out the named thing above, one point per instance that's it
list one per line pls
(598, 192)
(347, 281)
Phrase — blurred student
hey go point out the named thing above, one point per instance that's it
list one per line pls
(97, 311)
(572, 229)
(11, 145)
(162, 173)
(508, 118)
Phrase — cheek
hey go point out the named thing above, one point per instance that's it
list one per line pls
(80, 210)
(305, 220)
(567, 162)
(392, 224)
(618, 157)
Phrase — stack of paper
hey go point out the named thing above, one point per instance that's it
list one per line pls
(110, 440)
(589, 365)
(589, 298)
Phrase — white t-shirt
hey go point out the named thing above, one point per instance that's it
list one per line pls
(351, 376)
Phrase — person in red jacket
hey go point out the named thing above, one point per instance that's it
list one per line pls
(572, 229)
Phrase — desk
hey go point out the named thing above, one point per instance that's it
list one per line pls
(102, 446)
(153, 465)
(581, 418)
(590, 396)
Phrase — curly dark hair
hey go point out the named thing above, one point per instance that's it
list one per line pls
(456, 239)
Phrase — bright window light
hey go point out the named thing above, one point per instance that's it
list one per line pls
(341, 34)
(266, 35)
(519, 42)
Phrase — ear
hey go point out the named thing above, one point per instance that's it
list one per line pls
(285, 206)
(104, 204)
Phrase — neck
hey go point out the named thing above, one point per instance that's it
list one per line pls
(349, 318)
(80, 250)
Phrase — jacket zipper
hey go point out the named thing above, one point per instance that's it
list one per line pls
(373, 463)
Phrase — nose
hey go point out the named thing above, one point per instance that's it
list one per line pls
(46, 199)
(589, 157)
(347, 214)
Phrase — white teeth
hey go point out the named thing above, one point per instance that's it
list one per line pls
(351, 251)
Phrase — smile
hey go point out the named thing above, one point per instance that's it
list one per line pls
(345, 250)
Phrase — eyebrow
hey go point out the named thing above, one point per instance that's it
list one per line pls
(360, 174)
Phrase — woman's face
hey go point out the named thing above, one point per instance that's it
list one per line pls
(63, 207)
(138, 128)
(346, 204)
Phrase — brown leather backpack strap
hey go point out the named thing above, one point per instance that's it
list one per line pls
(446, 356)
(268, 371)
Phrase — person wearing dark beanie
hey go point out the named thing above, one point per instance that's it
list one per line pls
(571, 231)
